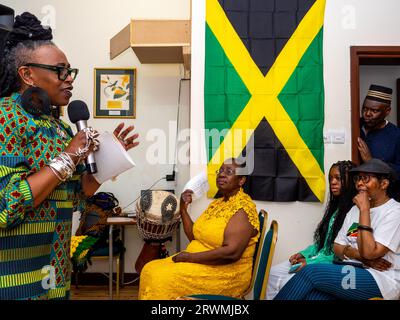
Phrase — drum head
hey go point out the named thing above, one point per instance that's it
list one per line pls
(158, 215)
(159, 206)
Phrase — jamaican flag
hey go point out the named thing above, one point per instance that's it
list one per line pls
(264, 95)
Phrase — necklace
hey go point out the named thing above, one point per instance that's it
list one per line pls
(59, 131)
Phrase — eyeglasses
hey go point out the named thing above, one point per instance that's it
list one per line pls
(364, 178)
(228, 172)
(62, 72)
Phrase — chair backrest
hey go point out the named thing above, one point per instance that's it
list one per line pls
(262, 217)
(263, 266)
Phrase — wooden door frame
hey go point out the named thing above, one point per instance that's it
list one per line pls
(365, 55)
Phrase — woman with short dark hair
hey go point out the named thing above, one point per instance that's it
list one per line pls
(219, 257)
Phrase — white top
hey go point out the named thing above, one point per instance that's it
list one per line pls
(385, 220)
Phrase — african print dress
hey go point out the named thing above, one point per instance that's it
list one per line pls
(34, 242)
(164, 279)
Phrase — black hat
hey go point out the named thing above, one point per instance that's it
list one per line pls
(6, 25)
(375, 166)
(6, 18)
(379, 93)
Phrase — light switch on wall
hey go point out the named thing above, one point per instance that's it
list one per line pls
(327, 138)
(338, 137)
(335, 137)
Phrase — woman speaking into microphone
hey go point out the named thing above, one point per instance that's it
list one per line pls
(41, 171)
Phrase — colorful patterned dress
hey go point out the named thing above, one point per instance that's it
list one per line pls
(164, 279)
(34, 242)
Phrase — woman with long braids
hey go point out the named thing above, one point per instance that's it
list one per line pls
(368, 246)
(341, 193)
(41, 175)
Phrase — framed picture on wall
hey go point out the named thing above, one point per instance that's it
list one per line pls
(114, 93)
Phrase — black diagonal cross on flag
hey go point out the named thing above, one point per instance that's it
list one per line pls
(263, 74)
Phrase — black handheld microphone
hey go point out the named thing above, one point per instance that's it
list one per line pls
(78, 113)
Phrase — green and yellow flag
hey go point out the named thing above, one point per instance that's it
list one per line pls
(264, 90)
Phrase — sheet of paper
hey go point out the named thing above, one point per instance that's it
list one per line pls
(111, 158)
(198, 184)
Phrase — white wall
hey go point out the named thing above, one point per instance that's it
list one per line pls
(381, 75)
(83, 30)
(347, 22)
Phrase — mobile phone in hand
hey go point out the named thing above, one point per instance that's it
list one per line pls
(294, 268)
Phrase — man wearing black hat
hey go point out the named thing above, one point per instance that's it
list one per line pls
(370, 235)
(378, 137)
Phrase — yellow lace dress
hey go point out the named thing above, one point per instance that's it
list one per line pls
(164, 279)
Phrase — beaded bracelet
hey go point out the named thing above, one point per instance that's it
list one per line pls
(91, 139)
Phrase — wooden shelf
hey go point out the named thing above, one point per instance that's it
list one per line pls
(155, 41)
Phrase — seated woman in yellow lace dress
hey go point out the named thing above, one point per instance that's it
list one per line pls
(219, 257)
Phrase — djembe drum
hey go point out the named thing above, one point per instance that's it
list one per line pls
(157, 219)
